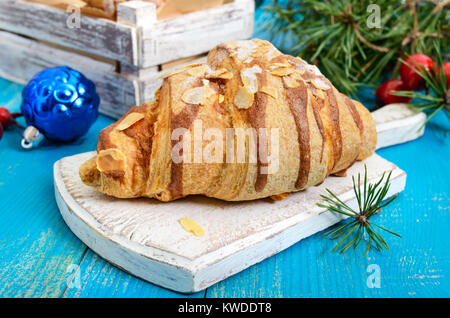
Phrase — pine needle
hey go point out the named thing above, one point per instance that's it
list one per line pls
(370, 199)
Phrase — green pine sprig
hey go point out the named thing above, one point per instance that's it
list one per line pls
(370, 199)
(336, 36)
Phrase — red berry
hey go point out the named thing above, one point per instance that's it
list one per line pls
(384, 96)
(1, 131)
(5, 117)
(411, 79)
(446, 69)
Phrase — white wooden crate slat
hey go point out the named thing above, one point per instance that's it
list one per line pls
(97, 36)
(197, 32)
(137, 38)
(21, 58)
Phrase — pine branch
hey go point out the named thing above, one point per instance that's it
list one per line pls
(370, 199)
(335, 35)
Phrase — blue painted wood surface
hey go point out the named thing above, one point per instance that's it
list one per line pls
(40, 257)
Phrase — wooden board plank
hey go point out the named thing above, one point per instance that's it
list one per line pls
(95, 35)
(195, 33)
(118, 93)
(398, 123)
(145, 238)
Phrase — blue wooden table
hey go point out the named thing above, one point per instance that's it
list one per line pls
(40, 257)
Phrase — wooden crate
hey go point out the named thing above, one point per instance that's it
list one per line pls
(124, 57)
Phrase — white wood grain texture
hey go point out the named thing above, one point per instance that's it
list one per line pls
(137, 37)
(195, 33)
(97, 36)
(144, 237)
(398, 123)
(136, 13)
(22, 58)
(137, 72)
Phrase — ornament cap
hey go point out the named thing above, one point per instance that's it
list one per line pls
(31, 136)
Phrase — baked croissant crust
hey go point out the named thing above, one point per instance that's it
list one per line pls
(244, 86)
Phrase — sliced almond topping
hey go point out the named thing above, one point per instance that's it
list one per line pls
(281, 196)
(249, 79)
(243, 98)
(271, 91)
(183, 69)
(194, 95)
(290, 82)
(191, 226)
(193, 65)
(278, 65)
(297, 74)
(281, 71)
(111, 162)
(129, 121)
(320, 84)
(221, 98)
(222, 73)
(198, 71)
(209, 94)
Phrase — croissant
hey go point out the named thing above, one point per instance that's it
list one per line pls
(249, 123)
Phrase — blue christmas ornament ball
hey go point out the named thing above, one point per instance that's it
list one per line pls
(61, 103)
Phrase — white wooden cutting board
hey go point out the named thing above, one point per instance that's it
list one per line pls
(144, 236)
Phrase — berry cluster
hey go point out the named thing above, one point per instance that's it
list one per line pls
(410, 79)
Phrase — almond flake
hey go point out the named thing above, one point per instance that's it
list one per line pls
(111, 161)
(249, 79)
(198, 71)
(278, 65)
(244, 49)
(222, 73)
(221, 98)
(191, 226)
(290, 82)
(281, 196)
(129, 121)
(243, 98)
(193, 65)
(298, 74)
(271, 91)
(320, 84)
(281, 71)
(209, 94)
(194, 95)
(312, 68)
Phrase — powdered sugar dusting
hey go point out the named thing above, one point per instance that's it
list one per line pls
(244, 49)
